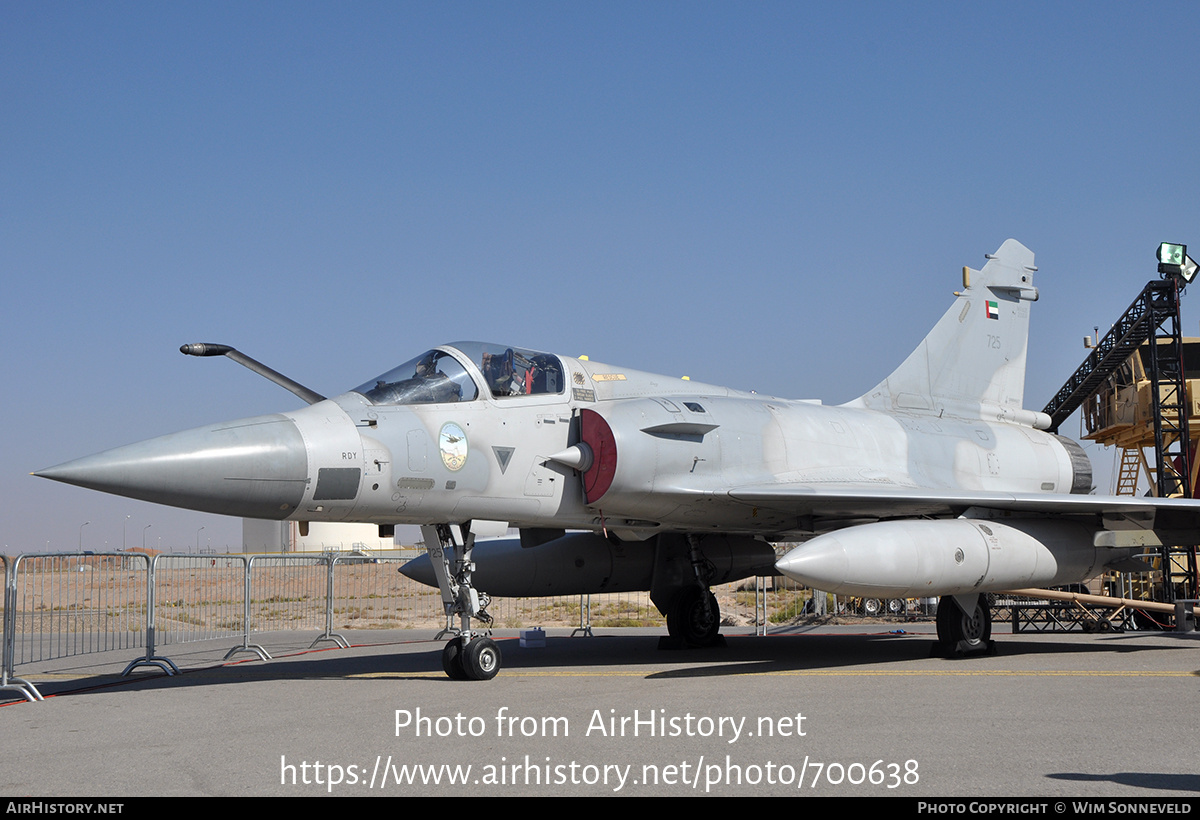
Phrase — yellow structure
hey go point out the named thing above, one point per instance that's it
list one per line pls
(1121, 414)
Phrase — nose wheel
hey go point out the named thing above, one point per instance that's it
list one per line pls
(469, 655)
(452, 659)
(477, 659)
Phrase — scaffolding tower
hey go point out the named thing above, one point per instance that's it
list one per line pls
(1135, 387)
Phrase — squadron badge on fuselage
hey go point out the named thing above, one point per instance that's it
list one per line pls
(452, 442)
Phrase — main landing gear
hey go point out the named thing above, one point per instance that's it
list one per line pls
(694, 619)
(693, 616)
(470, 655)
(964, 625)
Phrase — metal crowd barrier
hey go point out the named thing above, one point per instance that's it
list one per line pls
(8, 681)
(368, 592)
(60, 605)
(198, 597)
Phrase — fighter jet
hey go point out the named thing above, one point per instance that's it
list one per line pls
(936, 482)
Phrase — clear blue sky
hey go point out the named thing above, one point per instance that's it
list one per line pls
(773, 196)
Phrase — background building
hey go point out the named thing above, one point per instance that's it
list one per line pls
(284, 536)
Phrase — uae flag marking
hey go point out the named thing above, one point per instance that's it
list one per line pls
(993, 310)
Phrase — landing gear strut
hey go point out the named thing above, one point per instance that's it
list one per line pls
(964, 624)
(471, 655)
(693, 616)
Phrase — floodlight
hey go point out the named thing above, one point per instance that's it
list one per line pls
(1189, 269)
(1171, 254)
(1173, 260)
(1170, 259)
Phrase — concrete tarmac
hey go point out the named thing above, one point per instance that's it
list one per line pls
(830, 710)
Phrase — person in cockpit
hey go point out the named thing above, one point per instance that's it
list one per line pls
(498, 370)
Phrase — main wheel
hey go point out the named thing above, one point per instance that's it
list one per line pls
(452, 660)
(695, 617)
(956, 629)
(872, 606)
(481, 659)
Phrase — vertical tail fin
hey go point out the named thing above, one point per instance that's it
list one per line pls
(972, 364)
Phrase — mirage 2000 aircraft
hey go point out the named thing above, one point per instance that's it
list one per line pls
(934, 483)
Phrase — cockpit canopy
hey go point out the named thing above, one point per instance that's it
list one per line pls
(441, 376)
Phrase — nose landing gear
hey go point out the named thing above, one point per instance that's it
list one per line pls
(470, 655)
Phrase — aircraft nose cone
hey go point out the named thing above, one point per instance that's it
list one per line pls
(420, 569)
(255, 468)
(821, 564)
